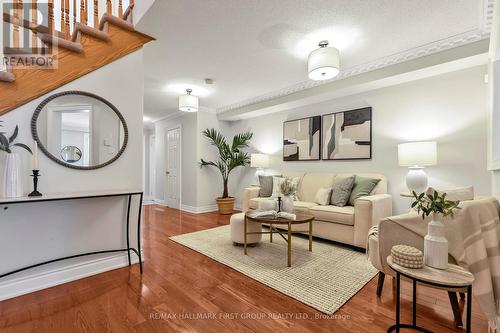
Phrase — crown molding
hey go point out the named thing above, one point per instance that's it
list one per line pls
(421, 51)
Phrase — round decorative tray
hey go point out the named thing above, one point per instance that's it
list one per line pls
(407, 256)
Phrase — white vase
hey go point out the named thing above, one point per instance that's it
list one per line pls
(12, 181)
(287, 204)
(436, 245)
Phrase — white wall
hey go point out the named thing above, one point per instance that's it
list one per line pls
(140, 9)
(450, 109)
(31, 233)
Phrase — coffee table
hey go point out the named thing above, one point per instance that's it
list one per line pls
(302, 218)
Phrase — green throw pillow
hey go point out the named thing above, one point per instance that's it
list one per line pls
(362, 187)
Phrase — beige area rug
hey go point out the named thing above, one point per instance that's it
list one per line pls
(324, 279)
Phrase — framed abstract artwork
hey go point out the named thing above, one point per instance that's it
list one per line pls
(347, 135)
(302, 139)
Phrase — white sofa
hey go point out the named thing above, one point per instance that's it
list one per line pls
(349, 224)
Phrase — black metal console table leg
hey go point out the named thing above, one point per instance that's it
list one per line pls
(469, 309)
(398, 324)
(398, 301)
(139, 232)
(128, 230)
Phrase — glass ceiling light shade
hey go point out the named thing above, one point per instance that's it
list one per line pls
(323, 63)
(188, 102)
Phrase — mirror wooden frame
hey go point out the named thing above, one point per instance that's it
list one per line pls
(34, 132)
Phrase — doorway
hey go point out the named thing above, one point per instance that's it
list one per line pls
(173, 167)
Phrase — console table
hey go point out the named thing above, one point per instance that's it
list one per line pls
(6, 202)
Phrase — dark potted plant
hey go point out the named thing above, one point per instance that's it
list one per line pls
(231, 156)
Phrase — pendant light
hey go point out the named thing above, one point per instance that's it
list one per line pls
(188, 102)
(323, 63)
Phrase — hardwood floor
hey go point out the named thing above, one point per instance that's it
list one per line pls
(179, 284)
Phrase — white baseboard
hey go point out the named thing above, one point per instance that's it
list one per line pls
(160, 202)
(199, 209)
(53, 277)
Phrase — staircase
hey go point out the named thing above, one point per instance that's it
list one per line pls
(81, 35)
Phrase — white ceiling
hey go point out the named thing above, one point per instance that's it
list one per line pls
(252, 48)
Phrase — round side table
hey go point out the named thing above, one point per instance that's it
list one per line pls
(453, 278)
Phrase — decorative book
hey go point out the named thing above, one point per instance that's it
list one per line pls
(272, 214)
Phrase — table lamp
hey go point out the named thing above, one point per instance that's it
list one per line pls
(415, 156)
(259, 161)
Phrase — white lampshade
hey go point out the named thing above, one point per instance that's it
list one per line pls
(323, 63)
(417, 154)
(188, 102)
(259, 161)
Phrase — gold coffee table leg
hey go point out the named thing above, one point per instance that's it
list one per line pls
(310, 236)
(245, 237)
(271, 233)
(289, 244)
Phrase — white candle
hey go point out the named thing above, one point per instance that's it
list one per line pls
(35, 157)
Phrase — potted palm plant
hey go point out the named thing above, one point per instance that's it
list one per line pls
(231, 156)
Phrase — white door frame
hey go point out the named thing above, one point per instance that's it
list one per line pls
(179, 174)
(152, 165)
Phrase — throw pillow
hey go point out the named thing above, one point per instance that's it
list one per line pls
(457, 194)
(341, 191)
(362, 187)
(266, 186)
(269, 204)
(323, 196)
(276, 186)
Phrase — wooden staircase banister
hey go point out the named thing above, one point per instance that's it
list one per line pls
(110, 39)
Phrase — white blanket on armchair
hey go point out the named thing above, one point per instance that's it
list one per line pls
(474, 242)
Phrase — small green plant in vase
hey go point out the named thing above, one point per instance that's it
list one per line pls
(435, 243)
(288, 188)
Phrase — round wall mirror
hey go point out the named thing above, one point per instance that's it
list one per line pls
(71, 154)
(79, 130)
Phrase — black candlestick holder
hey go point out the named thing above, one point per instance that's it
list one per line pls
(279, 204)
(35, 193)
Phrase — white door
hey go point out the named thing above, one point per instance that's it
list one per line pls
(173, 185)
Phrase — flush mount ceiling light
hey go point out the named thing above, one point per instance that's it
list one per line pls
(188, 102)
(323, 63)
